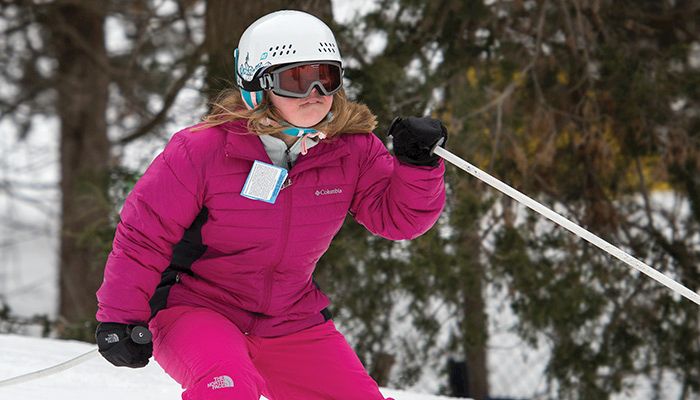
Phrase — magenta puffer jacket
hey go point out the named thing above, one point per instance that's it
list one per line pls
(259, 259)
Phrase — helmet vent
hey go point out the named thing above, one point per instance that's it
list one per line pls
(284, 49)
(326, 47)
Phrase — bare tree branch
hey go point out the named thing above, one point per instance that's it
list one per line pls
(168, 100)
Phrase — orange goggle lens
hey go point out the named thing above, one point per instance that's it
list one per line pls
(299, 80)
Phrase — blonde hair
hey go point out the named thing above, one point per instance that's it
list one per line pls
(348, 116)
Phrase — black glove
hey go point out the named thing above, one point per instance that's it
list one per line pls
(415, 138)
(124, 345)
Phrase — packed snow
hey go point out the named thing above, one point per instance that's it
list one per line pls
(95, 378)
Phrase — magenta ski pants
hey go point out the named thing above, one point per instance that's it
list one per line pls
(213, 360)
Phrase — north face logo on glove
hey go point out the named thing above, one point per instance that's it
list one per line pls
(220, 382)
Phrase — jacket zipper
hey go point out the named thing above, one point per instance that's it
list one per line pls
(280, 256)
(289, 160)
(288, 180)
(267, 290)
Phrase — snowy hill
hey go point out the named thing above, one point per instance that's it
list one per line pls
(95, 378)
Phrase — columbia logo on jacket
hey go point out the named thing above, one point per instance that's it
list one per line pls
(324, 192)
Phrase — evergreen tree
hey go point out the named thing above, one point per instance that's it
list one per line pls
(589, 106)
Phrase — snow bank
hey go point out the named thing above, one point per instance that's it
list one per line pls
(96, 378)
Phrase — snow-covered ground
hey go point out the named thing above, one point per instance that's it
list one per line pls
(95, 378)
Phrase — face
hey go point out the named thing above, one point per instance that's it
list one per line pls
(304, 112)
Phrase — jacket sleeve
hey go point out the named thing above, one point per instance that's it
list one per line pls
(163, 203)
(395, 200)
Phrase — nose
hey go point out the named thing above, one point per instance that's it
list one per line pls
(315, 92)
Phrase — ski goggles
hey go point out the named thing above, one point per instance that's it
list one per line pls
(299, 79)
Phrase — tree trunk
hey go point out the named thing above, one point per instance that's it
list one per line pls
(474, 319)
(467, 215)
(78, 39)
(382, 364)
(475, 332)
(225, 22)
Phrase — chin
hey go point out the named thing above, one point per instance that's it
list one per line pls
(308, 122)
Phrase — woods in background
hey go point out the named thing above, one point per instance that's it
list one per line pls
(592, 106)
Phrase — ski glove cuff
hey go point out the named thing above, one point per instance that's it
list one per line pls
(415, 138)
(124, 345)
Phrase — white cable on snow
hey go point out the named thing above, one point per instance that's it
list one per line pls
(51, 370)
(571, 226)
(139, 334)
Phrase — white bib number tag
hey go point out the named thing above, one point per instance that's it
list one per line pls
(264, 182)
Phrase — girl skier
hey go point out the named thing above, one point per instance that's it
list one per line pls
(218, 241)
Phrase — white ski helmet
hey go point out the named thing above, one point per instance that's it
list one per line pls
(278, 38)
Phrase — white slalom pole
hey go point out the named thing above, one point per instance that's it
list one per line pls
(571, 226)
(139, 335)
(51, 370)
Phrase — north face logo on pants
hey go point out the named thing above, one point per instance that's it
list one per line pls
(220, 382)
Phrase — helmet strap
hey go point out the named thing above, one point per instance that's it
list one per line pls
(299, 132)
(251, 99)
